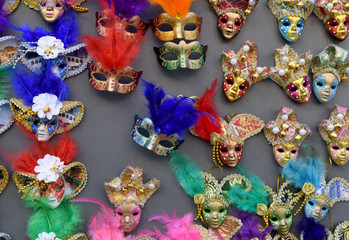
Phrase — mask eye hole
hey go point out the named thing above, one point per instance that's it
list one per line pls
(299, 24)
(229, 80)
(333, 87)
(125, 80)
(347, 149)
(207, 210)
(135, 214)
(194, 56)
(170, 57)
(324, 208)
(280, 150)
(274, 219)
(294, 151)
(99, 76)
(131, 29)
(222, 210)
(61, 66)
(223, 150)
(120, 213)
(107, 23)
(288, 215)
(320, 84)
(242, 87)
(311, 203)
(58, 5)
(286, 23)
(223, 19)
(305, 83)
(166, 143)
(59, 188)
(190, 27)
(335, 147)
(165, 27)
(238, 23)
(144, 132)
(294, 89)
(237, 149)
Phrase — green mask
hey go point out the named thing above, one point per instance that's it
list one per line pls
(172, 56)
(214, 214)
(281, 218)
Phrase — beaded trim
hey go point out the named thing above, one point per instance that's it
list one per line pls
(10, 120)
(5, 178)
(338, 232)
(326, 15)
(34, 4)
(280, 11)
(13, 7)
(288, 236)
(77, 236)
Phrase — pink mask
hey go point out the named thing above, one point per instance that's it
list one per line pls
(130, 215)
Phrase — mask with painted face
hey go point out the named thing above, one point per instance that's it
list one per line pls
(335, 16)
(291, 73)
(232, 15)
(286, 134)
(128, 194)
(281, 219)
(214, 213)
(291, 16)
(241, 71)
(316, 208)
(329, 69)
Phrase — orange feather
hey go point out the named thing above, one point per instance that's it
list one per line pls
(174, 7)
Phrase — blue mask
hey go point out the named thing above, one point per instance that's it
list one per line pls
(60, 66)
(43, 128)
(325, 87)
(316, 208)
(291, 28)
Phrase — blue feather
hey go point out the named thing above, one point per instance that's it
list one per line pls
(30, 35)
(312, 230)
(154, 95)
(66, 28)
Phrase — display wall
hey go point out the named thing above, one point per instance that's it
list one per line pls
(104, 135)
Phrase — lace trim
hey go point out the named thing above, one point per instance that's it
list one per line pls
(9, 122)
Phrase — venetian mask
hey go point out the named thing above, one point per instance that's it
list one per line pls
(230, 24)
(130, 215)
(144, 134)
(51, 10)
(214, 214)
(167, 28)
(291, 28)
(316, 208)
(172, 56)
(339, 152)
(281, 219)
(325, 87)
(338, 26)
(53, 191)
(44, 128)
(234, 87)
(121, 81)
(299, 90)
(230, 152)
(285, 152)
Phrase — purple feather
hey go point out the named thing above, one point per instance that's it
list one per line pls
(312, 230)
(127, 8)
(250, 228)
(3, 15)
(66, 28)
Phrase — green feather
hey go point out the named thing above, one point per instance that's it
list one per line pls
(63, 220)
(188, 174)
(5, 73)
(248, 200)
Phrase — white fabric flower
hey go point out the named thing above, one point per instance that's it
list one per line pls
(49, 47)
(46, 105)
(49, 168)
(47, 236)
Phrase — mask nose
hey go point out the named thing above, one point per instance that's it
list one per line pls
(179, 33)
(49, 8)
(215, 215)
(183, 62)
(152, 144)
(127, 219)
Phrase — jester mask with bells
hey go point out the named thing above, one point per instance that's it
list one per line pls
(291, 73)
(121, 14)
(335, 16)
(232, 15)
(291, 16)
(286, 135)
(241, 71)
(172, 56)
(112, 71)
(128, 194)
(42, 109)
(211, 197)
(177, 22)
(335, 132)
(48, 178)
(329, 68)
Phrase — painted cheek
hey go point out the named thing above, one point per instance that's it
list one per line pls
(238, 151)
(293, 91)
(243, 89)
(222, 21)
(332, 26)
(238, 24)
(136, 214)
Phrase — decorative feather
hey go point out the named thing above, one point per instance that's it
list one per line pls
(312, 230)
(30, 35)
(5, 73)
(208, 119)
(114, 51)
(307, 169)
(3, 15)
(67, 28)
(250, 228)
(63, 220)
(248, 200)
(169, 114)
(174, 7)
(125, 8)
(188, 174)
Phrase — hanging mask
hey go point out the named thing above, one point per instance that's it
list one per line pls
(335, 132)
(329, 69)
(291, 16)
(232, 15)
(6, 119)
(281, 219)
(172, 56)
(316, 208)
(241, 71)
(286, 134)
(335, 16)
(129, 194)
(291, 73)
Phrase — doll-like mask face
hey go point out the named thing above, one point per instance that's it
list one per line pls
(230, 24)
(316, 208)
(121, 81)
(144, 134)
(339, 152)
(130, 215)
(234, 87)
(338, 26)
(299, 90)
(230, 152)
(281, 219)
(43, 128)
(214, 214)
(167, 28)
(172, 56)
(51, 10)
(325, 87)
(53, 191)
(291, 28)
(285, 152)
